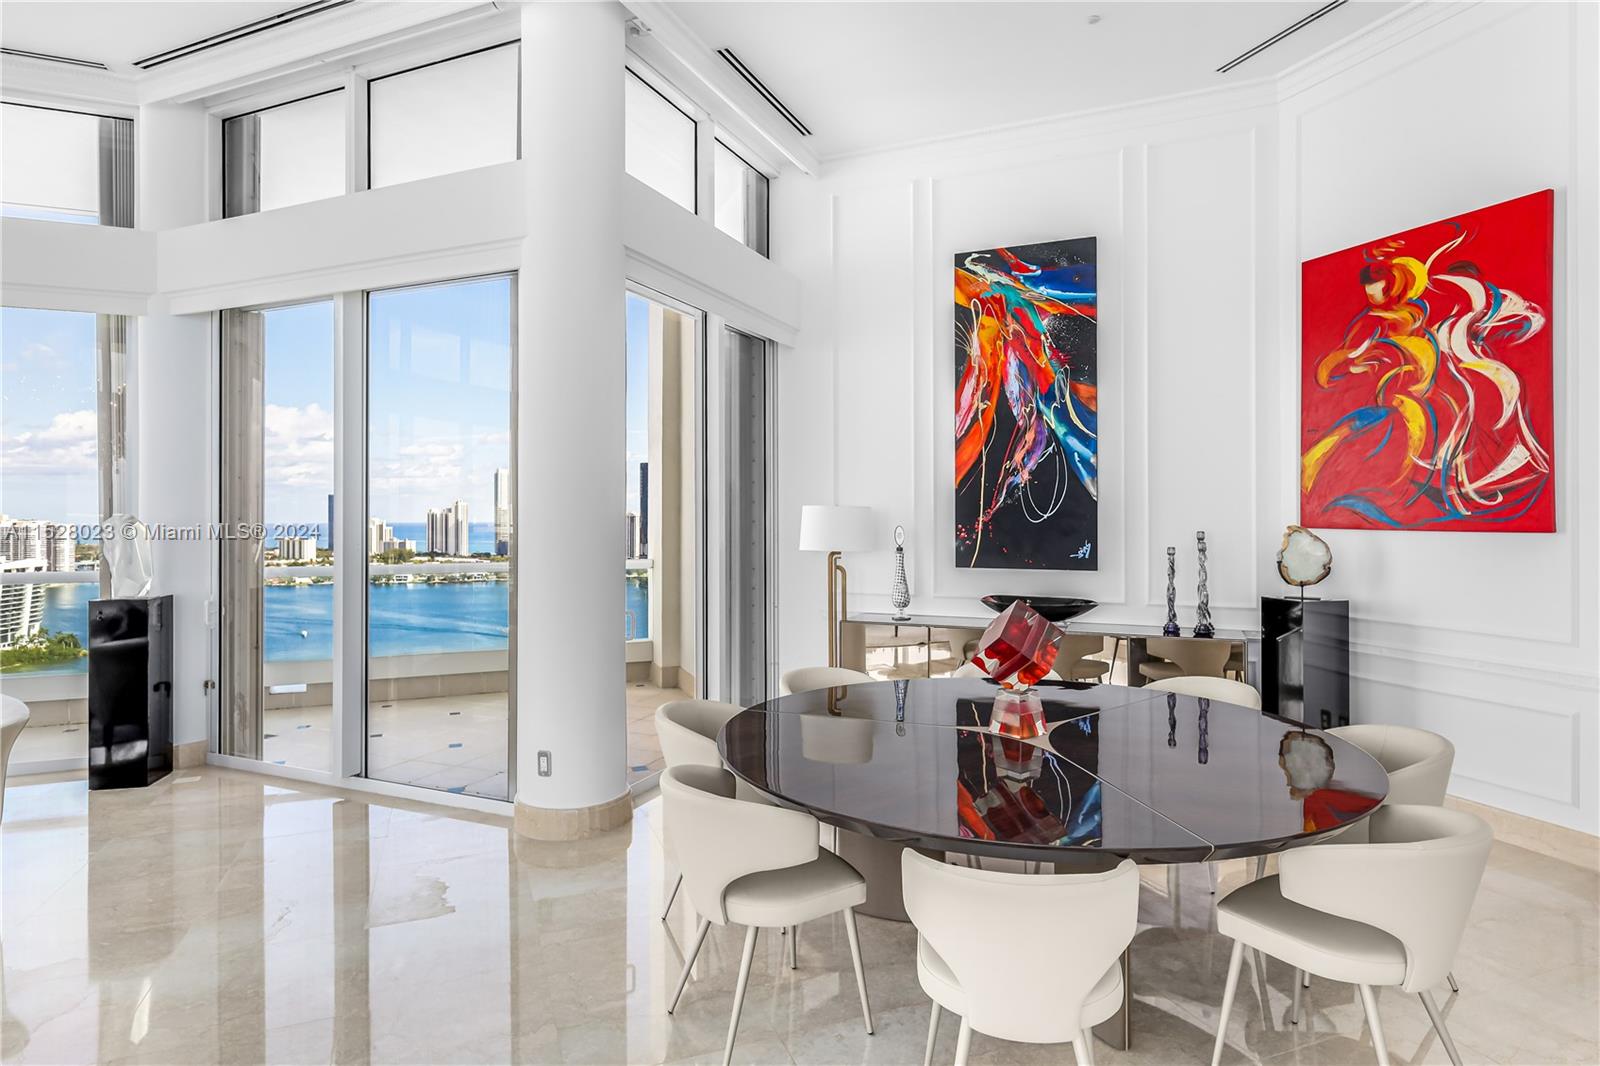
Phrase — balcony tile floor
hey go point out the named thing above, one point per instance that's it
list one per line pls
(454, 743)
(225, 917)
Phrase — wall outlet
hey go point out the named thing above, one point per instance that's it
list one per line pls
(544, 764)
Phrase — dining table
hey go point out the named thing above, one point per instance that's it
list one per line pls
(1111, 773)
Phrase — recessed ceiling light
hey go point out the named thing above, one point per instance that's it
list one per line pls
(1093, 19)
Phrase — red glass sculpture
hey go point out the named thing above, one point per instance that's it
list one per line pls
(1019, 647)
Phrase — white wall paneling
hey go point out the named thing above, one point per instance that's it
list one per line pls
(1204, 208)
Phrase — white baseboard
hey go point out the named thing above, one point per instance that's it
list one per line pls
(1546, 838)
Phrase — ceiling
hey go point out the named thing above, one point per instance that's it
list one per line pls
(116, 34)
(868, 75)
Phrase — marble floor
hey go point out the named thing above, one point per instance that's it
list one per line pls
(229, 917)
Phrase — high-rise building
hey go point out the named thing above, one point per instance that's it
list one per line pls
(502, 511)
(59, 550)
(297, 549)
(630, 524)
(378, 533)
(21, 538)
(330, 521)
(447, 529)
(644, 511)
(21, 606)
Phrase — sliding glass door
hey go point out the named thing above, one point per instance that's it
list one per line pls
(278, 587)
(661, 526)
(739, 452)
(441, 535)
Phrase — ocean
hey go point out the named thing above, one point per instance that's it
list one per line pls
(402, 619)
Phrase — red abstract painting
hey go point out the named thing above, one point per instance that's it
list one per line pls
(1425, 390)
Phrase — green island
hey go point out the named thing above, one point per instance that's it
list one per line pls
(43, 649)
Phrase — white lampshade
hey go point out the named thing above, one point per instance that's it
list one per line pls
(830, 528)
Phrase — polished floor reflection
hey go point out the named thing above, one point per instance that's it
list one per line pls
(227, 917)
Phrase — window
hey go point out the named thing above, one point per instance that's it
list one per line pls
(741, 195)
(66, 166)
(277, 455)
(453, 115)
(60, 374)
(283, 155)
(441, 535)
(659, 147)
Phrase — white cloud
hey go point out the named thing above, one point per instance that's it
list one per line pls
(66, 445)
(299, 445)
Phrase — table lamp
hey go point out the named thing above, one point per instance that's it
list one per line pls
(836, 529)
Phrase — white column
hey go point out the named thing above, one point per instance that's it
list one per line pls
(570, 425)
(176, 433)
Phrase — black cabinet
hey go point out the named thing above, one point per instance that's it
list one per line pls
(1305, 660)
(130, 691)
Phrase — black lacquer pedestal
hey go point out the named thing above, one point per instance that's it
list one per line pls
(130, 692)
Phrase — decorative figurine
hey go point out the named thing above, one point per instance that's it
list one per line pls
(126, 549)
(900, 592)
(1202, 611)
(1017, 650)
(1304, 559)
(1171, 628)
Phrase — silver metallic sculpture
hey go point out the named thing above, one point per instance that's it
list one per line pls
(126, 550)
(900, 591)
(1171, 628)
(1202, 611)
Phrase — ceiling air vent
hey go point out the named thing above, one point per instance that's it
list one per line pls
(1325, 9)
(48, 58)
(239, 33)
(766, 94)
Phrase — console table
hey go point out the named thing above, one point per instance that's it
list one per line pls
(853, 637)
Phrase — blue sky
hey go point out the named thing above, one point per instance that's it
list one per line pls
(48, 460)
(439, 405)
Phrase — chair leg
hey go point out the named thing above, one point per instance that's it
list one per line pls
(855, 958)
(1261, 867)
(1294, 1011)
(1369, 1000)
(672, 896)
(933, 1035)
(688, 962)
(1211, 873)
(1451, 977)
(963, 1042)
(1438, 1027)
(738, 992)
(794, 947)
(1083, 1048)
(1235, 961)
(1305, 979)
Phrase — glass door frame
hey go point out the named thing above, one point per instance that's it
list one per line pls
(354, 727)
(719, 670)
(347, 754)
(698, 428)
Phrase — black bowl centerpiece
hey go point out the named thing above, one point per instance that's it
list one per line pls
(1054, 608)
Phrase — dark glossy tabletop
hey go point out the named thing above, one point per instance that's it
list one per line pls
(1120, 771)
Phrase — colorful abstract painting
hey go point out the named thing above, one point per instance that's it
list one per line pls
(1027, 492)
(1426, 398)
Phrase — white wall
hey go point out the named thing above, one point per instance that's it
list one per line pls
(1487, 638)
(1204, 207)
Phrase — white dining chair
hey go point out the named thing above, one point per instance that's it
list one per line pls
(1184, 657)
(1385, 913)
(1062, 979)
(1418, 763)
(811, 678)
(1211, 688)
(687, 731)
(754, 865)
